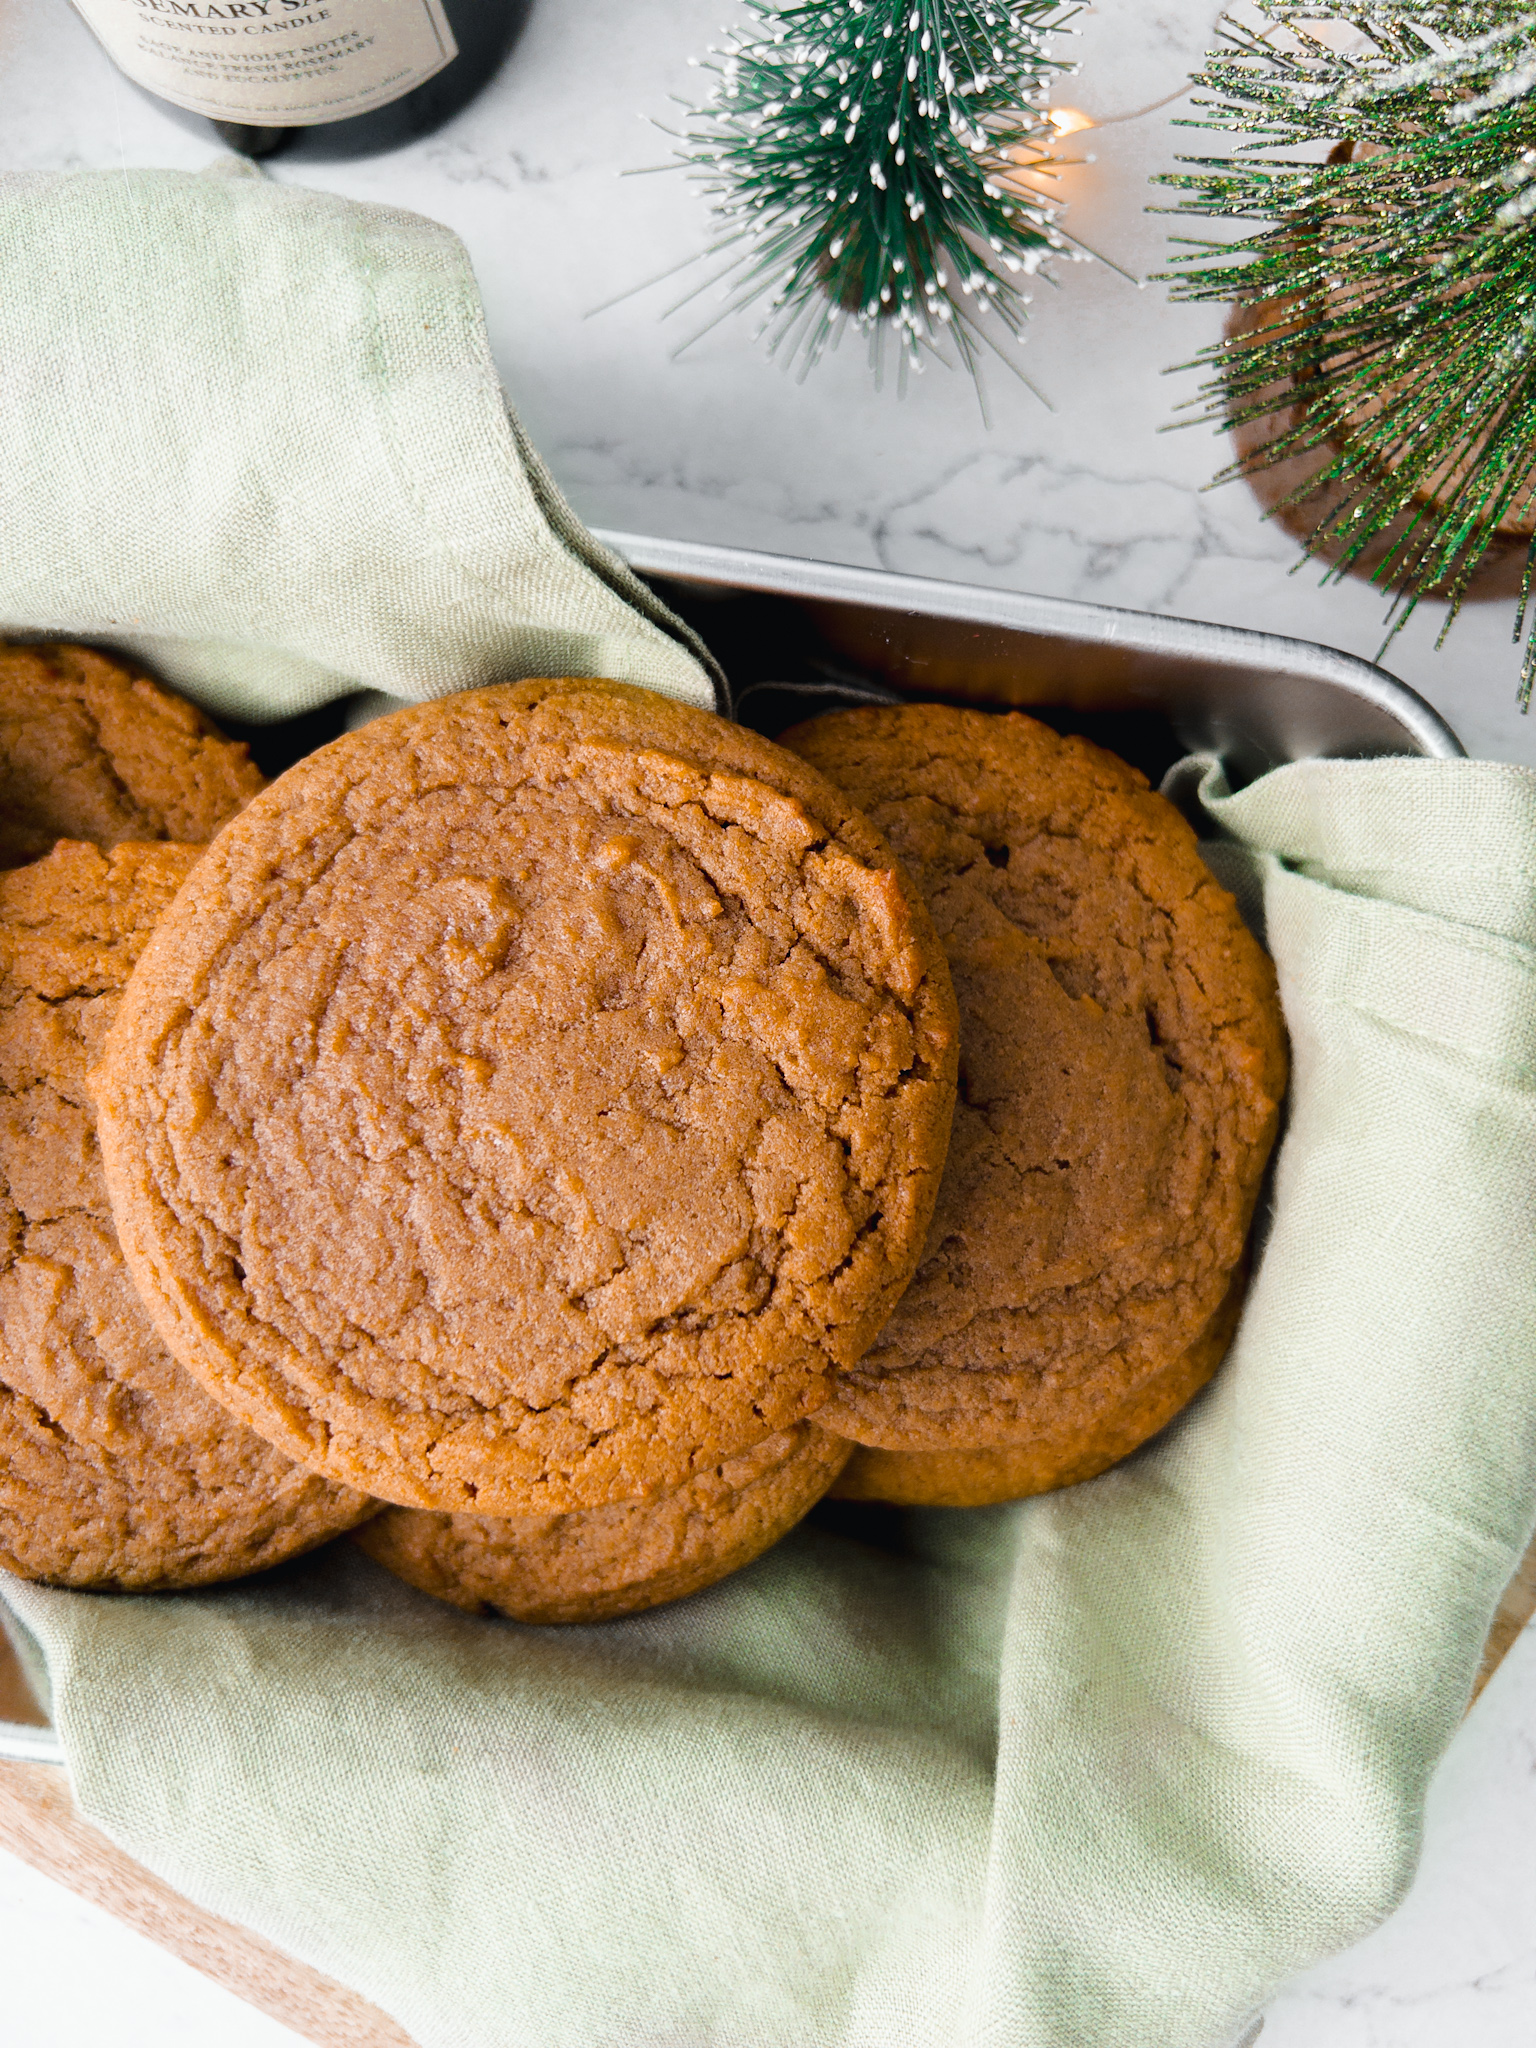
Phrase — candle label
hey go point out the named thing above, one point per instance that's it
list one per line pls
(275, 63)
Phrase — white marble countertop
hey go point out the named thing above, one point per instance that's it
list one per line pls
(1078, 493)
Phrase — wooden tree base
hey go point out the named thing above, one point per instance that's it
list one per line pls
(1497, 576)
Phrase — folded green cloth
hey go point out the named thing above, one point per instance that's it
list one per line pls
(1093, 1771)
(254, 434)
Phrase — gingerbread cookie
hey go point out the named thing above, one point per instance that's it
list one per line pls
(531, 1100)
(1081, 1438)
(117, 1471)
(92, 750)
(602, 1562)
(1122, 1063)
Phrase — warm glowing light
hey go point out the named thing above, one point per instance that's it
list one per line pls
(1069, 120)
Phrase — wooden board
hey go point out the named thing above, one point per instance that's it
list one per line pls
(1515, 1610)
(38, 1822)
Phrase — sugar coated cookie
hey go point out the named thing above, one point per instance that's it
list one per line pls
(602, 1562)
(92, 750)
(531, 1100)
(117, 1471)
(1122, 1063)
(1083, 1438)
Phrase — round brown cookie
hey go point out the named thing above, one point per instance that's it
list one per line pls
(1080, 1439)
(92, 750)
(602, 1562)
(1122, 1063)
(531, 1099)
(116, 1470)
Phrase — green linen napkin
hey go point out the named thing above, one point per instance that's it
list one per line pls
(1092, 1771)
(254, 434)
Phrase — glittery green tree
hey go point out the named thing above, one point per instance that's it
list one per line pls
(882, 164)
(1388, 161)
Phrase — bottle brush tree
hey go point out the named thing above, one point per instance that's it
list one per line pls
(1385, 186)
(882, 165)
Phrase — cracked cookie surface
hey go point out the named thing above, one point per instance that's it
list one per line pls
(117, 1471)
(602, 1562)
(91, 749)
(533, 1098)
(1087, 1430)
(1122, 1063)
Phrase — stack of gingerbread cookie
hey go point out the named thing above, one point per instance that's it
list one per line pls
(1121, 1067)
(117, 1469)
(531, 1114)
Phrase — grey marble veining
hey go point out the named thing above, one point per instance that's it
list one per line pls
(1076, 488)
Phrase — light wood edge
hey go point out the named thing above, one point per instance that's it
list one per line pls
(1514, 1611)
(16, 1701)
(38, 1823)
(1500, 571)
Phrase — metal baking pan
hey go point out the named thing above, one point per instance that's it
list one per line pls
(794, 634)
(1170, 686)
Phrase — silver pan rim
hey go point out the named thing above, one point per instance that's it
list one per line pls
(1065, 618)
